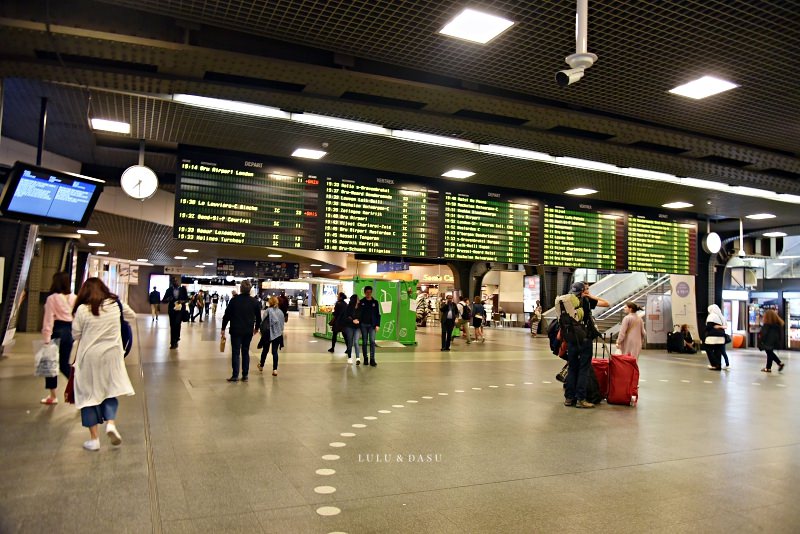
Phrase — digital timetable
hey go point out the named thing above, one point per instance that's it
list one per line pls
(240, 199)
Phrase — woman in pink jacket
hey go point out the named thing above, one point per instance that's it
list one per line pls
(631, 333)
(57, 325)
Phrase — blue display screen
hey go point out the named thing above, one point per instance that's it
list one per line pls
(57, 197)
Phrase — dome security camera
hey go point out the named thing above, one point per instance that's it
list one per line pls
(569, 76)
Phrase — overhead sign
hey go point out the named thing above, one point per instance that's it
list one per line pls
(188, 271)
(265, 270)
(391, 266)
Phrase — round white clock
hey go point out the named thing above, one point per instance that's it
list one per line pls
(139, 182)
(712, 243)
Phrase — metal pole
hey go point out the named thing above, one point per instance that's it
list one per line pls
(42, 131)
(581, 25)
(141, 152)
(2, 101)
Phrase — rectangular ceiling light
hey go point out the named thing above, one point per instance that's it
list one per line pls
(519, 153)
(703, 87)
(431, 139)
(677, 205)
(145, 260)
(111, 126)
(233, 106)
(308, 153)
(340, 124)
(88, 232)
(101, 253)
(475, 26)
(207, 263)
(586, 164)
(775, 234)
(581, 191)
(455, 173)
(180, 257)
(760, 216)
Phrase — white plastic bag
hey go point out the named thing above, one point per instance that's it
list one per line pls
(46, 360)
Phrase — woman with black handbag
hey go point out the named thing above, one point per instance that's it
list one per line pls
(57, 326)
(769, 339)
(271, 335)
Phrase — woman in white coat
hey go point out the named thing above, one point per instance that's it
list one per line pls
(100, 375)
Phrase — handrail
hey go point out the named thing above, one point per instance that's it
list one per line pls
(642, 292)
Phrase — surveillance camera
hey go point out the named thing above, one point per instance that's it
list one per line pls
(569, 76)
(741, 253)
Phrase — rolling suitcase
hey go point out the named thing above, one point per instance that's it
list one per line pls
(623, 380)
(600, 367)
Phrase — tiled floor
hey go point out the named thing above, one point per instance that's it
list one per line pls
(703, 452)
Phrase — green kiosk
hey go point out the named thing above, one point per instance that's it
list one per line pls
(398, 311)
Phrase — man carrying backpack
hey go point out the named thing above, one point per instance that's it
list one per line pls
(464, 318)
(575, 313)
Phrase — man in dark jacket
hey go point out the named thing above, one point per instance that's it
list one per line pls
(370, 323)
(448, 315)
(176, 297)
(338, 319)
(155, 299)
(244, 315)
(283, 305)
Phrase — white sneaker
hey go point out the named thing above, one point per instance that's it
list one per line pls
(92, 445)
(349, 360)
(113, 434)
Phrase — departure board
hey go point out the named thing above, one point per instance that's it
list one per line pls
(661, 246)
(580, 238)
(242, 200)
(487, 227)
(381, 216)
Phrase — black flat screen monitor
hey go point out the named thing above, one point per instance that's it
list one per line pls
(38, 195)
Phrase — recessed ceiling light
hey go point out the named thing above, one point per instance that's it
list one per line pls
(274, 255)
(190, 250)
(581, 191)
(324, 270)
(101, 253)
(475, 26)
(520, 153)
(306, 272)
(316, 265)
(200, 266)
(455, 173)
(207, 263)
(180, 257)
(231, 105)
(677, 205)
(111, 126)
(340, 124)
(759, 216)
(308, 153)
(703, 87)
(143, 260)
(88, 232)
(775, 234)
(96, 244)
(430, 139)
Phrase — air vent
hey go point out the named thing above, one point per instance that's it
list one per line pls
(97, 62)
(783, 174)
(253, 82)
(719, 160)
(489, 117)
(585, 134)
(664, 149)
(382, 100)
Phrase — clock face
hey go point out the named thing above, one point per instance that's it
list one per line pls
(712, 243)
(139, 182)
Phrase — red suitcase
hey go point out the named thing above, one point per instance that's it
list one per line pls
(601, 372)
(623, 380)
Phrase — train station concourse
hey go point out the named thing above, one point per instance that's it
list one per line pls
(501, 266)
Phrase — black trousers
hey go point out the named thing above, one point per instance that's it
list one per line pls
(772, 357)
(62, 330)
(447, 332)
(174, 326)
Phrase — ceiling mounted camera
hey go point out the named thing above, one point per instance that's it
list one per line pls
(582, 59)
(569, 76)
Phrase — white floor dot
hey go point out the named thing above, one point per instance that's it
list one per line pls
(427, 397)
(338, 444)
(707, 382)
(511, 385)
(347, 434)
(412, 401)
(370, 418)
(359, 425)
(642, 380)
(494, 386)
(337, 532)
(459, 391)
(397, 406)
(477, 389)
(663, 380)
(331, 457)
(313, 341)
(443, 394)
(546, 382)
(686, 381)
(756, 384)
(781, 385)
(384, 411)
(328, 510)
(528, 383)
(326, 472)
(324, 490)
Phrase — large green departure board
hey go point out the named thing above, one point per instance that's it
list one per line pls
(232, 200)
(380, 216)
(581, 238)
(661, 246)
(486, 227)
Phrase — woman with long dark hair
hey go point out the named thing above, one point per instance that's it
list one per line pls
(100, 375)
(769, 339)
(57, 325)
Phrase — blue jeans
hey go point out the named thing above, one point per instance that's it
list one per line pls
(352, 335)
(368, 339)
(579, 358)
(240, 344)
(94, 415)
(62, 330)
(275, 344)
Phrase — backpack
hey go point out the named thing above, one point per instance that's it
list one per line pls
(552, 335)
(570, 327)
(466, 313)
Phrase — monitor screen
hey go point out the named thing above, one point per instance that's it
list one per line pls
(39, 195)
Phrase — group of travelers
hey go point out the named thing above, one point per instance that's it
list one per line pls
(462, 316)
(358, 320)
